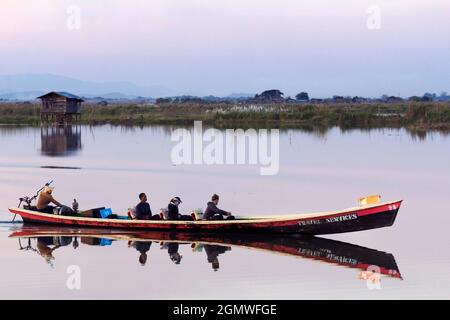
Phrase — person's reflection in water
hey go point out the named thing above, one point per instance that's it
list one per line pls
(143, 248)
(75, 243)
(45, 249)
(212, 252)
(172, 249)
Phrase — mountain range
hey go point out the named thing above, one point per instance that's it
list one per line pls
(29, 86)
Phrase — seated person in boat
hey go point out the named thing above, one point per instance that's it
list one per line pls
(214, 213)
(174, 213)
(44, 200)
(143, 211)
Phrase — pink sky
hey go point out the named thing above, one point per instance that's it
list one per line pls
(224, 46)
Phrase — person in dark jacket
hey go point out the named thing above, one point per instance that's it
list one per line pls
(143, 211)
(214, 213)
(174, 213)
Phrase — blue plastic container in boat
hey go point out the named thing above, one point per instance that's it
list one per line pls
(105, 212)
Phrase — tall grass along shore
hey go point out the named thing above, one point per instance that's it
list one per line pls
(411, 115)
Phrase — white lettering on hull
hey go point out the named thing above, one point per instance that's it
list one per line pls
(347, 217)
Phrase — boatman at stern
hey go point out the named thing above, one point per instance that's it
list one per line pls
(44, 200)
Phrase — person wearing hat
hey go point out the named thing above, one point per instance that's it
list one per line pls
(214, 213)
(44, 200)
(174, 213)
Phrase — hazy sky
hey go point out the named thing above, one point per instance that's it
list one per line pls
(222, 46)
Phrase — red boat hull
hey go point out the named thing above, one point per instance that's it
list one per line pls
(350, 220)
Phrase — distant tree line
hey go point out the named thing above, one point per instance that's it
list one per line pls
(277, 96)
(267, 96)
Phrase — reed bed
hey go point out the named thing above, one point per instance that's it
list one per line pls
(412, 115)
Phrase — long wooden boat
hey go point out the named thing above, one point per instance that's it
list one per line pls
(314, 248)
(359, 218)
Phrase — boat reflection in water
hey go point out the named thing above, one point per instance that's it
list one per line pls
(46, 240)
(60, 141)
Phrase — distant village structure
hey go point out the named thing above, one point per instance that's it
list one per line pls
(60, 107)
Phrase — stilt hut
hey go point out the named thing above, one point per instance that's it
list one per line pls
(60, 107)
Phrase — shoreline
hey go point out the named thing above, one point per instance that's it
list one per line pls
(418, 116)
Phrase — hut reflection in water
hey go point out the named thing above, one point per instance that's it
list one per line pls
(60, 141)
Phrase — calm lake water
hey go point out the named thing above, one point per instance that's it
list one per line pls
(318, 172)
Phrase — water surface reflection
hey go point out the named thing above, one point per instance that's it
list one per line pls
(45, 240)
(319, 171)
(60, 141)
